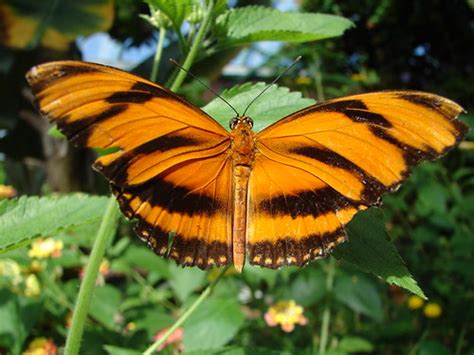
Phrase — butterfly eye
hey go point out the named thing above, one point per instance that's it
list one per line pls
(233, 122)
(248, 121)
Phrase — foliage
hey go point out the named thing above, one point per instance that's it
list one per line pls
(139, 295)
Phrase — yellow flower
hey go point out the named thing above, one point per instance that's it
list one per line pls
(415, 302)
(303, 80)
(11, 270)
(286, 314)
(32, 286)
(41, 346)
(7, 191)
(37, 266)
(359, 77)
(432, 310)
(104, 267)
(45, 248)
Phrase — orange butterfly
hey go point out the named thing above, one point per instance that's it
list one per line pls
(205, 197)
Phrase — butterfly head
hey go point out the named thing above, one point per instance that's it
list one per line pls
(239, 122)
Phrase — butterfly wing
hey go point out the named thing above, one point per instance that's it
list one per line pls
(172, 169)
(316, 168)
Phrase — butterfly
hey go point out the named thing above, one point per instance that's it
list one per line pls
(205, 196)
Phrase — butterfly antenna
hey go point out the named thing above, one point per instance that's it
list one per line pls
(203, 84)
(273, 82)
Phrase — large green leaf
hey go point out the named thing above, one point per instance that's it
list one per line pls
(257, 23)
(185, 281)
(213, 324)
(54, 23)
(277, 102)
(359, 294)
(370, 249)
(28, 217)
(105, 305)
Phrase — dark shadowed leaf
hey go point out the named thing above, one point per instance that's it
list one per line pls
(370, 249)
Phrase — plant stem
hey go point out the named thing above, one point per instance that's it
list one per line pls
(327, 307)
(158, 53)
(106, 231)
(194, 48)
(186, 314)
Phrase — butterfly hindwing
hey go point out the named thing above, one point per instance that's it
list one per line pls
(316, 168)
(171, 170)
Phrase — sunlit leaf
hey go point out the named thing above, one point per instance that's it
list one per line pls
(257, 23)
(28, 217)
(275, 103)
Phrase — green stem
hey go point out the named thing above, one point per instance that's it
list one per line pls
(460, 342)
(327, 307)
(106, 231)
(186, 314)
(194, 48)
(158, 53)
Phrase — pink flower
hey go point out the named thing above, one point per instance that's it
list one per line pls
(175, 339)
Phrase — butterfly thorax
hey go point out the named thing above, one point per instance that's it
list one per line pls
(243, 142)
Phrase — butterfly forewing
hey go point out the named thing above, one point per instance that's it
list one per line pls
(316, 168)
(172, 168)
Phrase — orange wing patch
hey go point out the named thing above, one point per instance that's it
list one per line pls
(316, 168)
(172, 170)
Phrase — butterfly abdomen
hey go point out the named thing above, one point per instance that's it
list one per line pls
(243, 155)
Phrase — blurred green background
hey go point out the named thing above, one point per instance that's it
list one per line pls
(423, 45)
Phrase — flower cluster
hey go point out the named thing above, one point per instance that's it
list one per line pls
(286, 314)
(7, 191)
(46, 248)
(41, 346)
(18, 280)
(430, 309)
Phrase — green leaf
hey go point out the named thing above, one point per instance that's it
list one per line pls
(28, 217)
(237, 350)
(359, 294)
(249, 24)
(213, 324)
(141, 257)
(152, 320)
(177, 11)
(353, 344)
(104, 305)
(276, 103)
(307, 289)
(115, 350)
(370, 249)
(433, 347)
(184, 281)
